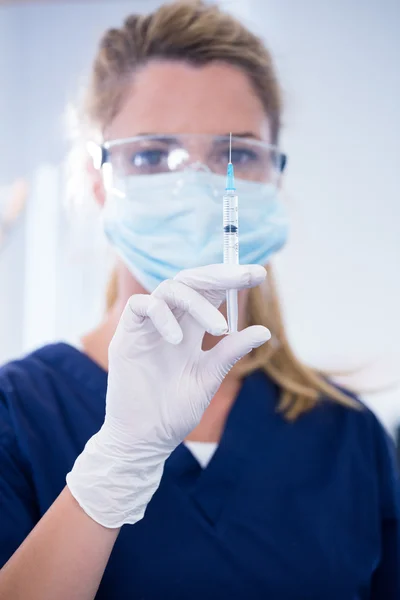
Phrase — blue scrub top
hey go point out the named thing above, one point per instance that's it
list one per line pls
(284, 511)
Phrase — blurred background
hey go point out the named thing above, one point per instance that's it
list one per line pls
(339, 275)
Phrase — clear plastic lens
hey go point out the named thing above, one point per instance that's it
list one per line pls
(155, 154)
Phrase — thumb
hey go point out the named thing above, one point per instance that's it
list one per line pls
(232, 348)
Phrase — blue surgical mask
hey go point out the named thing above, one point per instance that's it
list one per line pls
(168, 222)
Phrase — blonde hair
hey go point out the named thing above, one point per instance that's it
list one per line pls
(199, 33)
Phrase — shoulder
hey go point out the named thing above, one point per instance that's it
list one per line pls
(330, 429)
(40, 421)
(51, 402)
(55, 386)
(30, 387)
(359, 420)
(49, 369)
(22, 373)
(366, 441)
(29, 376)
(385, 464)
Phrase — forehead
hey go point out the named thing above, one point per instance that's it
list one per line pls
(175, 97)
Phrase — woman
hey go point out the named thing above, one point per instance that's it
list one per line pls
(284, 487)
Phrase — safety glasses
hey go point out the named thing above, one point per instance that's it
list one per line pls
(253, 160)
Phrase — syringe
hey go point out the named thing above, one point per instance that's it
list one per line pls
(231, 238)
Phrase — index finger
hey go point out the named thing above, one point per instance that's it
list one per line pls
(222, 277)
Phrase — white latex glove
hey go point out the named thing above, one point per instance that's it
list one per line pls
(160, 383)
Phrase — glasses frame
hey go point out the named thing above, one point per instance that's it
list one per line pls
(100, 152)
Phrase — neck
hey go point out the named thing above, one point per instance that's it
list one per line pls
(95, 344)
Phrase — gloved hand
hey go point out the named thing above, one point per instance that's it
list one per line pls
(160, 383)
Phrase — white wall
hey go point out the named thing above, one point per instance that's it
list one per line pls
(339, 66)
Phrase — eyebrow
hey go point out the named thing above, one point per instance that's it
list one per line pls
(240, 134)
(159, 137)
(245, 134)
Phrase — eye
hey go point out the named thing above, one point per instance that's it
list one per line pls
(239, 156)
(243, 156)
(148, 158)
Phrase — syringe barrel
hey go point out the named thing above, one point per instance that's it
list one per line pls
(231, 228)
